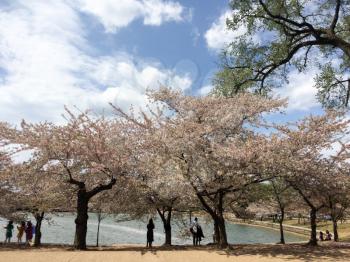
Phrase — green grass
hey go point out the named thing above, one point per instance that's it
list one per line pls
(343, 228)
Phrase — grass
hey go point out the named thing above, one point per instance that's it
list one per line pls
(343, 228)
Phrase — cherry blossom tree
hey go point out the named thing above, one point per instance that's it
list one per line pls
(157, 176)
(88, 153)
(302, 161)
(39, 192)
(212, 141)
(337, 200)
(9, 202)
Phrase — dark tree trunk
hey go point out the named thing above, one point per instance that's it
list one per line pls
(282, 241)
(81, 220)
(218, 218)
(165, 216)
(335, 214)
(313, 237)
(38, 218)
(99, 218)
(82, 208)
(335, 230)
(222, 232)
(313, 215)
(216, 239)
(221, 222)
(167, 228)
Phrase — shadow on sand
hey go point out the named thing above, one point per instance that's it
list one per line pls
(302, 252)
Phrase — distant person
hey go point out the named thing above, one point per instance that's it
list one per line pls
(199, 235)
(214, 237)
(193, 230)
(20, 233)
(328, 235)
(150, 237)
(321, 236)
(29, 232)
(9, 229)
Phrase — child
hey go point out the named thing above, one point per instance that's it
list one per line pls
(9, 229)
(20, 233)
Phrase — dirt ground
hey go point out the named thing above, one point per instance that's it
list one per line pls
(242, 253)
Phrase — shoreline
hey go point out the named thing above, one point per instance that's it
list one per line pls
(299, 231)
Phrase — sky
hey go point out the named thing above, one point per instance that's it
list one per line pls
(86, 53)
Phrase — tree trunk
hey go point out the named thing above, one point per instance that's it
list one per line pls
(82, 208)
(282, 241)
(218, 218)
(313, 237)
(166, 219)
(38, 218)
(221, 222)
(222, 241)
(335, 230)
(167, 229)
(81, 220)
(216, 239)
(99, 218)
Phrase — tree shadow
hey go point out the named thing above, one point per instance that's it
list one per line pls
(302, 252)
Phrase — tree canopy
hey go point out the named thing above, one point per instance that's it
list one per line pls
(281, 36)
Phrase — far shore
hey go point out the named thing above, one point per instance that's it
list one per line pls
(135, 253)
(286, 228)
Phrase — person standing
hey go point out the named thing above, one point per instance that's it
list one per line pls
(20, 233)
(150, 237)
(199, 235)
(193, 230)
(9, 229)
(29, 232)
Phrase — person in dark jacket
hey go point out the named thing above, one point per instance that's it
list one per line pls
(150, 237)
(9, 230)
(193, 230)
(199, 235)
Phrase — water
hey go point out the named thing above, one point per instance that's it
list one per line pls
(61, 228)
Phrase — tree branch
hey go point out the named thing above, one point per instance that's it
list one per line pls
(101, 188)
(71, 180)
(336, 16)
(287, 20)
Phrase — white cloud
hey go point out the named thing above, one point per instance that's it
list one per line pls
(114, 14)
(218, 36)
(205, 90)
(300, 91)
(45, 57)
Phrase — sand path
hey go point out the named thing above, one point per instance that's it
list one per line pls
(248, 253)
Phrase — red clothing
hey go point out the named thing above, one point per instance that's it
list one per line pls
(29, 232)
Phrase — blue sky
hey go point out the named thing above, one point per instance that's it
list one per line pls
(86, 53)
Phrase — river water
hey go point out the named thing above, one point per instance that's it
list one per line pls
(60, 229)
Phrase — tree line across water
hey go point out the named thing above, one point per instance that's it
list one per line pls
(210, 155)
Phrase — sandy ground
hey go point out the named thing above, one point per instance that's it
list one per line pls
(242, 253)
